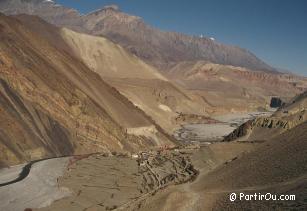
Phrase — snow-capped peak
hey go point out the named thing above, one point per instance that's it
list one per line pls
(49, 1)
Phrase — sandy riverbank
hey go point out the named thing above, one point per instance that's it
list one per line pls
(38, 189)
(195, 133)
(10, 173)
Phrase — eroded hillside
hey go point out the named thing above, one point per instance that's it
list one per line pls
(53, 104)
(141, 83)
(227, 88)
(264, 128)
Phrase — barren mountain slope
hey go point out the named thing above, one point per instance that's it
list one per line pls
(48, 96)
(162, 49)
(108, 59)
(177, 56)
(277, 166)
(265, 128)
(28, 132)
(228, 88)
(49, 10)
(141, 83)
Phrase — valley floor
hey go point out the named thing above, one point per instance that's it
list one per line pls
(214, 132)
(123, 183)
(107, 182)
(169, 179)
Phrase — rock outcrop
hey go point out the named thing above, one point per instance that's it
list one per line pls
(276, 102)
(264, 128)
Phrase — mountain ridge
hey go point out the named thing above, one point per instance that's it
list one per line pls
(159, 48)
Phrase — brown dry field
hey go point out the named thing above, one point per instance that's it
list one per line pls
(119, 182)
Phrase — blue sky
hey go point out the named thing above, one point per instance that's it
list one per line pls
(274, 30)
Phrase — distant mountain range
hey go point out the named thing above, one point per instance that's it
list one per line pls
(79, 89)
(159, 48)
